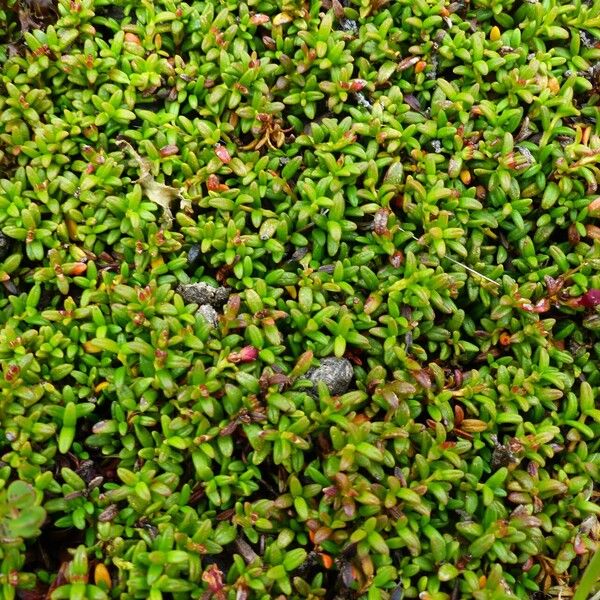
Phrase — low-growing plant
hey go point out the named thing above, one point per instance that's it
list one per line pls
(299, 299)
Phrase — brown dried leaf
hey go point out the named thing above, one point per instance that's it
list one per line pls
(413, 102)
(322, 534)
(338, 9)
(159, 193)
(245, 550)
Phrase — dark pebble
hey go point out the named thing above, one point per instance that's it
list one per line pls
(193, 256)
(501, 457)
(4, 246)
(336, 373)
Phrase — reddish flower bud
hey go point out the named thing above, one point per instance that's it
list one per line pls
(540, 307)
(214, 578)
(594, 205)
(590, 299)
(593, 231)
(246, 354)
(240, 88)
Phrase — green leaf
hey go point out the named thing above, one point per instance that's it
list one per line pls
(294, 558)
(20, 494)
(28, 523)
(377, 542)
(481, 545)
(447, 572)
(370, 451)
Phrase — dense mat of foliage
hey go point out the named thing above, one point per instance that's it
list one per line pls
(407, 186)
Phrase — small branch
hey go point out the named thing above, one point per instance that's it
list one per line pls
(245, 550)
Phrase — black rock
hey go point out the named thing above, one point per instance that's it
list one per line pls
(202, 293)
(336, 373)
(4, 246)
(501, 457)
(194, 255)
(87, 470)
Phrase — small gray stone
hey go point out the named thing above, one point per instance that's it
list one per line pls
(221, 296)
(202, 293)
(209, 313)
(336, 373)
(362, 100)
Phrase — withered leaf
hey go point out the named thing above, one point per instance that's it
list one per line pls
(157, 192)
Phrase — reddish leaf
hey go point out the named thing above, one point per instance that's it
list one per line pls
(223, 154)
(322, 534)
(169, 150)
(540, 307)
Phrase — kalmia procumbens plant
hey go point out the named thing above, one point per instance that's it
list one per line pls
(299, 299)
